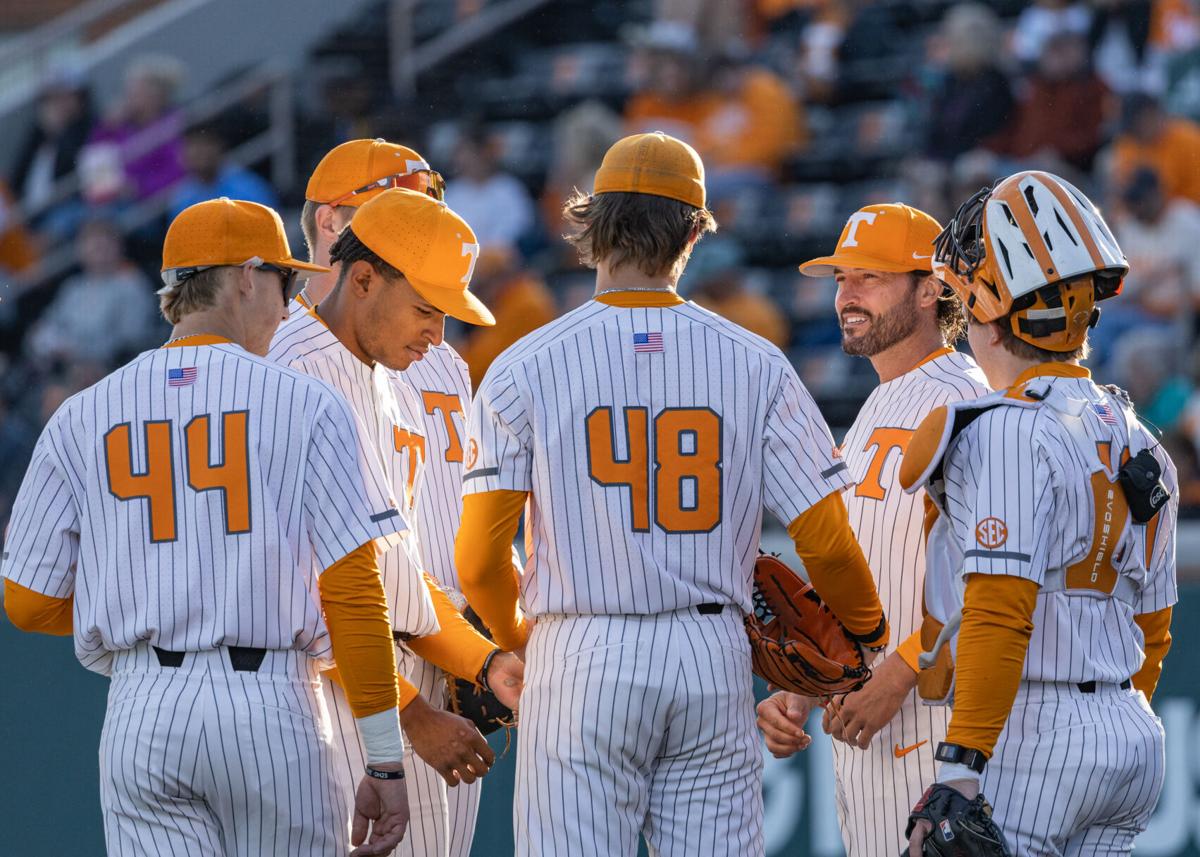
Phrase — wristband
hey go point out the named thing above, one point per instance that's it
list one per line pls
(483, 671)
(385, 775)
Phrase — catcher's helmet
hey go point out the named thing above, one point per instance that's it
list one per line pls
(1035, 249)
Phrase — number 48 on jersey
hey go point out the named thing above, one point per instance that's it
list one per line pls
(678, 454)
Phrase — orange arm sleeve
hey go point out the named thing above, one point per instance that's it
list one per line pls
(457, 648)
(838, 570)
(1156, 627)
(360, 633)
(483, 556)
(38, 613)
(997, 620)
(910, 649)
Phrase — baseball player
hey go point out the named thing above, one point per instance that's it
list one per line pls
(375, 322)
(346, 178)
(895, 312)
(1051, 568)
(212, 570)
(644, 435)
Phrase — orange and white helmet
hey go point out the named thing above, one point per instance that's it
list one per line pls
(1035, 249)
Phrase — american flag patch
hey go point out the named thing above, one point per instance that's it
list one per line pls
(647, 343)
(1104, 412)
(181, 377)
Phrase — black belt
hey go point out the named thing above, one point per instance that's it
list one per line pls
(1090, 686)
(243, 659)
(402, 636)
(710, 609)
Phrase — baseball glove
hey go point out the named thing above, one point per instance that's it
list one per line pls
(961, 827)
(474, 702)
(796, 642)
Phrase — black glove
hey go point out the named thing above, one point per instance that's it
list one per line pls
(961, 827)
(474, 702)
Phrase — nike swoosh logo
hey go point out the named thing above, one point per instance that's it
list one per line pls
(901, 752)
(919, 256)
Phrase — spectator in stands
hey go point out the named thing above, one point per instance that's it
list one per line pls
(137, 151)
(715, 22)
(973, 104)
(817, 61)
(716, 280)
(666, 78)
(17, 251)
(1159, 237)
(581, 137)
(740, 117)
(50, 151)
(496, 204)
(1122, 49)
(1061, 115)
(1151, 138)
(1044, 19)
(103, 314)
(518, 298)
(210, 173)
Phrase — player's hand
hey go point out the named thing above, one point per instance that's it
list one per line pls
(916, 840)
(383, 806)
(506, 678)
(781, 718)
(449, 744)
(854, 718)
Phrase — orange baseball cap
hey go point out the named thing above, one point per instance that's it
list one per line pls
(653, 163)
(359, 170)
(227, 232)
(890, 237)
(432, 246)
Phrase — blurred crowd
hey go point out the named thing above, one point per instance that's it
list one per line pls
(803, 110)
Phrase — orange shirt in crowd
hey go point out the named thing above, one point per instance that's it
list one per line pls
(757, 313)
(758, 126)
(1175, 156)
(17, 251)
(521, 305)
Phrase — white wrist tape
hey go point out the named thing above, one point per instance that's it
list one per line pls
(948, 771)
(381, 737)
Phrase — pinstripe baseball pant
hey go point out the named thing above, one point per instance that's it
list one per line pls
(200, 758)
(639, 724)
(1074, 773)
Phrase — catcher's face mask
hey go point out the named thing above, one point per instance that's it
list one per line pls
(1033, 246)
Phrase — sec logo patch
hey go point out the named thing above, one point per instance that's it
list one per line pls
(991, 533)
(472, 454)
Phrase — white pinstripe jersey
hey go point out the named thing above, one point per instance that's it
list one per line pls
(1029, 494)
(650, 439)
(387, 413)
(888, 523)
(443, 384)
(190, 499)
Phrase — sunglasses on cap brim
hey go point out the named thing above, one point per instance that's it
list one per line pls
(423, 181)
(291, 279)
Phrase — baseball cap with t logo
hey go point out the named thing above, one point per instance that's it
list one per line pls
(890, 237)
(429, 244)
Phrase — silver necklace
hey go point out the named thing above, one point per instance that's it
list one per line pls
(634, 289)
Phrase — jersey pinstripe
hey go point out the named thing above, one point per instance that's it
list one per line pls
(221, 529)
(649, 438)
(1020, 501)
(385, 413)
(443, 384)
(719, 411)
(877, 788)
